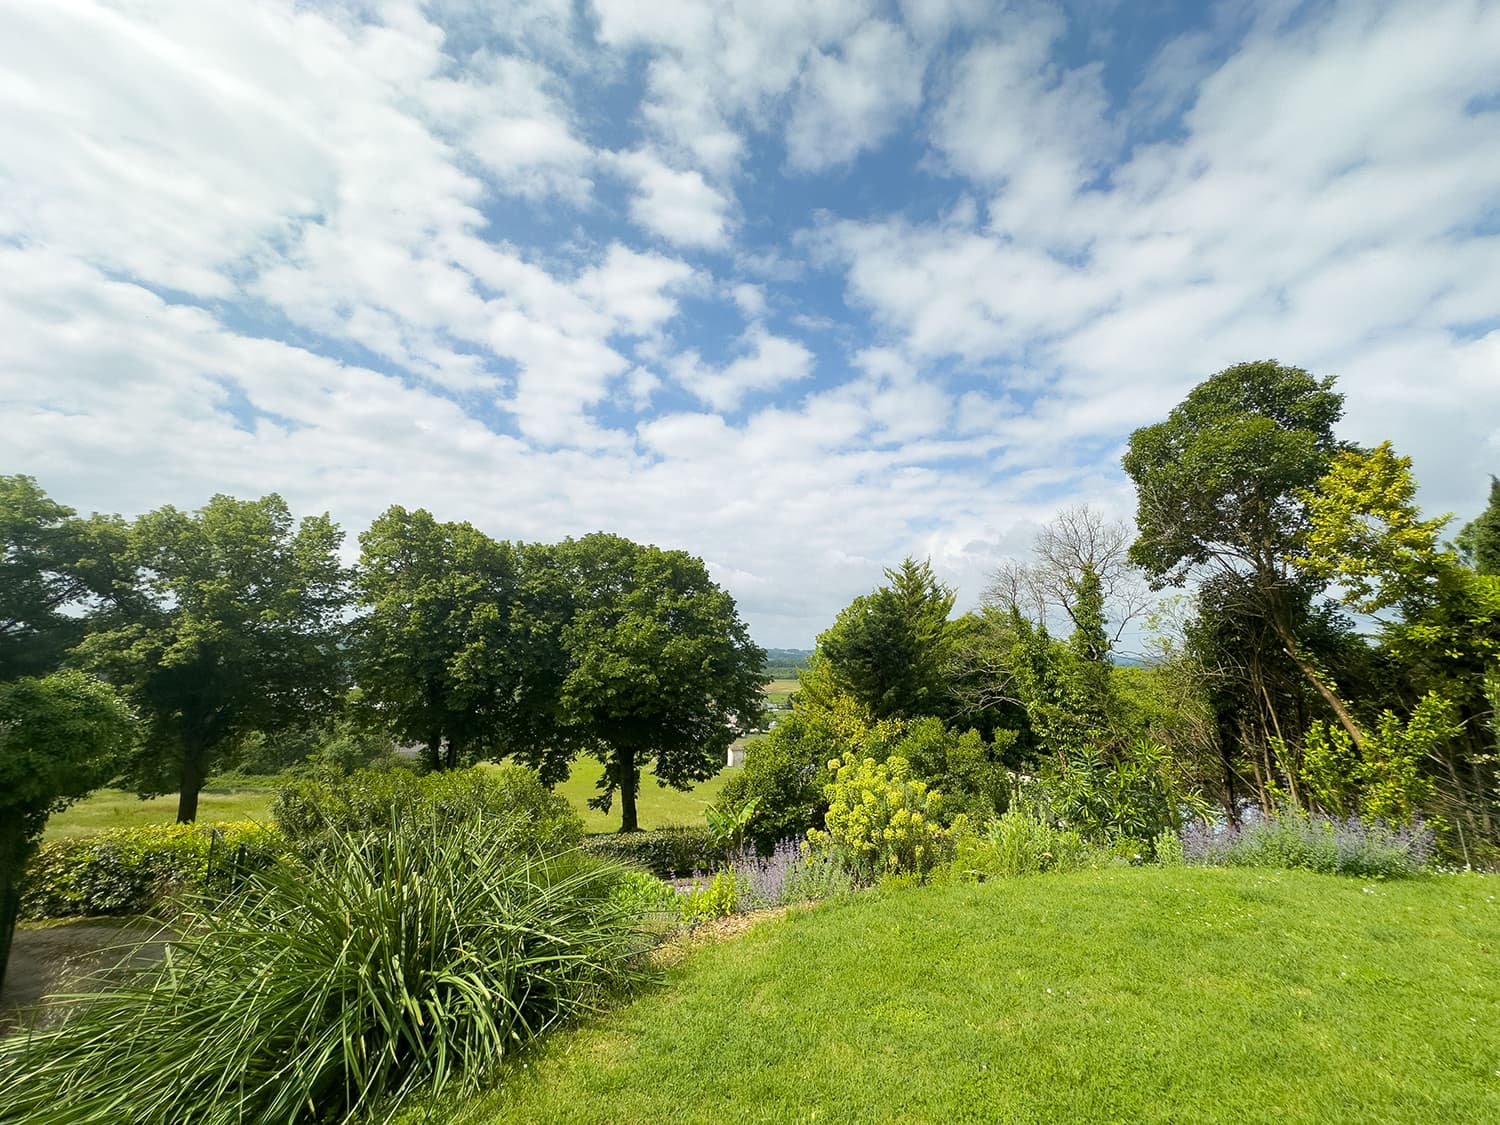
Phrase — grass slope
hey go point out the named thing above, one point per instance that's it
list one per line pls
(1124, 995)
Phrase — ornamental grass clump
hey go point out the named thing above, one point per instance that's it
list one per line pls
(333, 987)
(1312, 842)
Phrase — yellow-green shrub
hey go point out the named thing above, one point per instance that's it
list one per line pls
(880, 819)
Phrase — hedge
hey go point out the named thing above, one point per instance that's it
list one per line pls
(133, 870)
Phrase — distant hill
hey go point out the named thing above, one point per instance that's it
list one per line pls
(785, 663)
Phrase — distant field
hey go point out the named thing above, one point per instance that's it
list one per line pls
(116, 808)
(778, 690)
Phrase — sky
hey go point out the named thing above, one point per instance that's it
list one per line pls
(799, 286)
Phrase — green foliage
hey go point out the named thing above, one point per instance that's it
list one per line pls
(412, 960)
(1221, 480)
(1168, 849)
(1384, 779)
(889, 649)
(53, 565)
(718, 898)
(880, 819)
(1479, 541)
(783, 774)
(728, 823)
(1134, 795)
(1020, 842)
(138, 870)
(231, 627)
(441, 652)
(516, 809)
(659, 668)
(670, 853)
(1364, 531)
(961, 766)
(60, 736)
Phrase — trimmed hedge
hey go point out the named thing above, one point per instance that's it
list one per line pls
(132, 870)
(668, 853)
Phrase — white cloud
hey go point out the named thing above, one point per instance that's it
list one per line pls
(679, 206)
(769, 362)
(852, 100)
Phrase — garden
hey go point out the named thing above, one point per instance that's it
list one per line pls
(981, 869)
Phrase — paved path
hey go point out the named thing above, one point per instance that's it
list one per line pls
(60, 958)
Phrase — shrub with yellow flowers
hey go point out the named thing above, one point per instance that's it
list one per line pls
(880, 819)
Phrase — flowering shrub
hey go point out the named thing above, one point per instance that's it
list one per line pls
(793, 872)
(1345, 846)
(880, 820)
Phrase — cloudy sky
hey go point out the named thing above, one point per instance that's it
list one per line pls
(800, 286)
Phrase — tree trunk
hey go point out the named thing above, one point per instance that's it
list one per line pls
(628, 775)
(192, 784)
(1335, 704)
(435, 752)
(13, 853)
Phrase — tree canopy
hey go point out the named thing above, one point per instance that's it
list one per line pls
(234, 628)
(659, 668)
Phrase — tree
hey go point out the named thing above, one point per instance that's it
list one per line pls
(1221, 490)
(1479, 541)
(437, 651)
(52, 565)
(1077, 542)
(60, 737)
(890, 649)
(659, 668)
(232, 627)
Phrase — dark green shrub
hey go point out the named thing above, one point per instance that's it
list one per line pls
(785, 772)
(414, 958)
(966, 770)
(515, 806)
(134, 870)
(668, 853)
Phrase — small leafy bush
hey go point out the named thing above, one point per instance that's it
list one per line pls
(1020, 842)
(135, 870)
(785, 772)
(1345, 846)
(880, 819)
(515, 806)
(1134, 795)
(718, 898)
(414, 958)
(669, 853)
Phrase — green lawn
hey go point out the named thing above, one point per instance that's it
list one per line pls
(1131, 995)
(116, 808)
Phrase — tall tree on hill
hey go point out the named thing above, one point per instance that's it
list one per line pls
(658, 669)
(438, 648)
(232, 626)
(1221, 487)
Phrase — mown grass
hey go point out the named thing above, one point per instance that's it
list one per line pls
(1120, 995)
(116, 808)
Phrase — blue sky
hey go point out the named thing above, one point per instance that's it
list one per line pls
(799, 287)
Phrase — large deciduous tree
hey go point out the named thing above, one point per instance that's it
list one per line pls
(233, 627)
(658, 669)
(53, 565)
(61, 736)
(440, 649)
